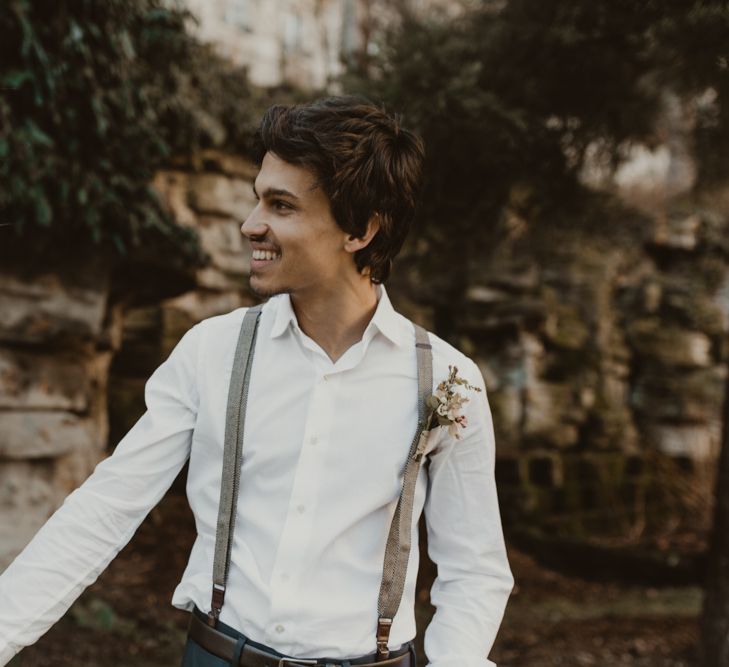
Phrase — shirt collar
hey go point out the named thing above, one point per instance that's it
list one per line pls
(385, 318)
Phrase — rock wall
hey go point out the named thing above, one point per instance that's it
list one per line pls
(75, 350)
(604, 362)
(214, 194)
(57, 338)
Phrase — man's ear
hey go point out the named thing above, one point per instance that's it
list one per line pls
(354, 243)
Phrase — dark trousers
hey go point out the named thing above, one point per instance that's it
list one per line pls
(196, 656)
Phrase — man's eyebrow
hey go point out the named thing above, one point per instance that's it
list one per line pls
(274, 192)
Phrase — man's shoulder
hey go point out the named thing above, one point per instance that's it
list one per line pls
(446, 354)
(220, 330)
(224, 321)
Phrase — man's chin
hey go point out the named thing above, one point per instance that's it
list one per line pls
(266, 291)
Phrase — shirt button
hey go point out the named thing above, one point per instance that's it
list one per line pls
(280, 628)
(325, 378)
(301, 509)
(284, 577)
(313, 440)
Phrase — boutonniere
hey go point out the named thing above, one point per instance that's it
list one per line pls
(445, 408)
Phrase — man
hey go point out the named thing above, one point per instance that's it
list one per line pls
(327, 428)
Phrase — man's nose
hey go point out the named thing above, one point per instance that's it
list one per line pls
(254, 225)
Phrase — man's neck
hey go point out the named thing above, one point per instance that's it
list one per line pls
(336, 320)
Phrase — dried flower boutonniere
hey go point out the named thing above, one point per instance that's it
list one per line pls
(445, 406)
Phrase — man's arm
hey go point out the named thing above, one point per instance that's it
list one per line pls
(95, 521)
(465, 541)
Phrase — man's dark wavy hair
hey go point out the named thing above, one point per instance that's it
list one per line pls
(364, 161)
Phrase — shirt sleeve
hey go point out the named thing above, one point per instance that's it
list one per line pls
(465, 541)
(97, 520)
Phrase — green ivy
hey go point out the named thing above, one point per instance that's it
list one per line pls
(95, 97)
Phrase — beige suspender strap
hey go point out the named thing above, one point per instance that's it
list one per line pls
(234, 423)
(397, 551)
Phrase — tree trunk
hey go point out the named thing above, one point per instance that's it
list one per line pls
(714, 649)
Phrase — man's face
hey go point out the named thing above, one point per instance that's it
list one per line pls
(297, 245)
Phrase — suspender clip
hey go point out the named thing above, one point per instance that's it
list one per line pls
(216, 605)
(384, 625)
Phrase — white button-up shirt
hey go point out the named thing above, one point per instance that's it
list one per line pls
(324, 451)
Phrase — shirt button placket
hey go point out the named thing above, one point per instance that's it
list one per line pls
(298, 525)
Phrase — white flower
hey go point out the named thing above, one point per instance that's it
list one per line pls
(446, 404)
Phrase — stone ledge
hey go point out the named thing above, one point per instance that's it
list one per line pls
(49, 308)
(32, 434)
(50, 381)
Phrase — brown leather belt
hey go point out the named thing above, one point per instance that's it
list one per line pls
(223, 646)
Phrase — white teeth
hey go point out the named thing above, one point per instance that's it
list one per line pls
(264, 254)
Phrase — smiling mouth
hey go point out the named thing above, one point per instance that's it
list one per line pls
(262, 258)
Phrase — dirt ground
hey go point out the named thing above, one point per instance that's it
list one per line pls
(125, 619)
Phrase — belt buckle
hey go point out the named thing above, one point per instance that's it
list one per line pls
(294, 661)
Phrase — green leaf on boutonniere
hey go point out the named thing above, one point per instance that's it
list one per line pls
(432, 402)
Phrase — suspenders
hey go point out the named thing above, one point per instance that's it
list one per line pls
(234, 422)
(397, 551)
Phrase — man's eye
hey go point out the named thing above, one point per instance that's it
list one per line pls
(281, 205)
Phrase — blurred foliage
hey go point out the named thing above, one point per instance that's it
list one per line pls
(95, 96)
(512, 97)
(691, 47)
